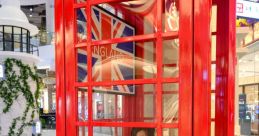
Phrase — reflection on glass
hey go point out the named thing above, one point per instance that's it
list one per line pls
(123, 131)
(171, 20)
(82, 98)
(170, 107)
(171, 58)
(116, 20)
(170, 132)
(116, 104)
(123, 61)
(81, 65)
(81, 24)
(82, 131)
(80, 1)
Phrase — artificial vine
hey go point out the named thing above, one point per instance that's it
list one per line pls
(16, 84)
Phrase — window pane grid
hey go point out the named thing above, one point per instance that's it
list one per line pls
(157, 37)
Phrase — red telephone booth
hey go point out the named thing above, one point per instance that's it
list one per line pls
(130, 67)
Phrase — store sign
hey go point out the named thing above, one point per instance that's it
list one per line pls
(247, 9)
(1, 71)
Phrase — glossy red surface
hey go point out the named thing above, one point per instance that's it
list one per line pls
(202, 68)
(186, 68)
(225, 68)
(60, 70)
(71, 100)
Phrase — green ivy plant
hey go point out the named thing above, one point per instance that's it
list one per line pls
(16, 84)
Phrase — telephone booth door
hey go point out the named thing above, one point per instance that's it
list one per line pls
(126, 68)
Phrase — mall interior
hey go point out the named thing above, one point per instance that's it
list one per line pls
(129, 67)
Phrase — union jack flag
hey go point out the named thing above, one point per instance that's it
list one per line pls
(110, 62)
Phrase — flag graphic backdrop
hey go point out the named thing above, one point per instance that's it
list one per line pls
(110, 62)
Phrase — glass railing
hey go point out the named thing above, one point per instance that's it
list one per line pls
(45, 38)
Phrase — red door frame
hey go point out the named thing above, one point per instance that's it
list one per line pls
(225, 67)
(60, 69)
(202, 68)
(192, 33)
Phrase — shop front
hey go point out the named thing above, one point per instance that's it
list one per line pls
(126, 68)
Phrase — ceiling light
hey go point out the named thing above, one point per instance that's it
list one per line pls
(30, 9)
(30, 15)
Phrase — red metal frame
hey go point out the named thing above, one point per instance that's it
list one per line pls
(202, 68)
(194, 69)
(60, 69)
(225, 67)
(186, 67)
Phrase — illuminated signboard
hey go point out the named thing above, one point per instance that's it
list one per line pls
(1, 71)
(247, 9)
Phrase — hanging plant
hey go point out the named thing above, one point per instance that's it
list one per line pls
(15, 84)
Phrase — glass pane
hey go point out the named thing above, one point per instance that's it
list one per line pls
(8, 34)
(82, 131)
(24, 38)
(170, 132)
(1, 46)
(81, 24)
(171, 58)
(124, 103)
(81, 64)
(170, 104)
(25, 47)
(8, 30)
(17, 30)
(213, 77)
(213, 47)
(124, 61)
(214, 19)
(17, 37)
(123, 19)
(17, 46)
(8, 46)
(212, 129)
(80, 1)
(82, 97)
(123, 131)
(24, 31)
(171, 16)
(213, 106)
